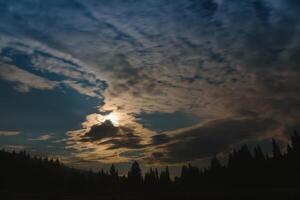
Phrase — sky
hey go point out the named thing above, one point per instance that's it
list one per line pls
(163, 82)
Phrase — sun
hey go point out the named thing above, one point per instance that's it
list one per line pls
(113, 117)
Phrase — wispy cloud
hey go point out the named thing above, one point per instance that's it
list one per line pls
(41, 138)
(213, 67)
(43, 65)
(15, 147)
(25, 80)
(9, 133)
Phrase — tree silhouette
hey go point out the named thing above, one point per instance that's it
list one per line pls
(113, 172)
(215, 164)
(114, 178)
(151, 177)
(135, 174)
(276, 149)
(165, 177)
(295, 139)
(258, 154)
(244, 169)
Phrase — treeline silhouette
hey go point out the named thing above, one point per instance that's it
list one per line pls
(244, 169)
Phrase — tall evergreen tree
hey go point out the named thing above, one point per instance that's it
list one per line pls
(295, 139)
(135, 174)
(215, 164)
(113, 172)
(165, 176)
(276, 149)
(258, 154)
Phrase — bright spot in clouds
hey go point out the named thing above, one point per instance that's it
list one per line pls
(113, 117)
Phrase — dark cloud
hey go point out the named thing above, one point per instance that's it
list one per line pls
(188, 145)
(211, 138)
(116, 136)
(128, 141)
(134, 154)
(103, 130)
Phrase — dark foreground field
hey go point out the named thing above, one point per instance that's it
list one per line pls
(287, 194)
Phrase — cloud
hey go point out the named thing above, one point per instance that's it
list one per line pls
(229, 63)
(128, 141)
(14, 147)
(103, 130)
(9, 133)
(41, 138)
(116, 137)
(233, 60)
(25, 80)
(210, 138)
(49, 68)
(100, 135)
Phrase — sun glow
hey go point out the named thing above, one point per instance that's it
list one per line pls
(113, 117)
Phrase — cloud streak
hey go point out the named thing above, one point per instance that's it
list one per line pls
(41, 138)
(9, 133)
(25, 81)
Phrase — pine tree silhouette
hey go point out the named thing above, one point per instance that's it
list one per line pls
(135, 174)
(276, 150)
(215, 164)
(258, 154)
(165, 177)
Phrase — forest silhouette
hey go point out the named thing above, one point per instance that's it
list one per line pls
(246, 174)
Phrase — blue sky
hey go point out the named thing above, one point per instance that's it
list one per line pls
(180, 80)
